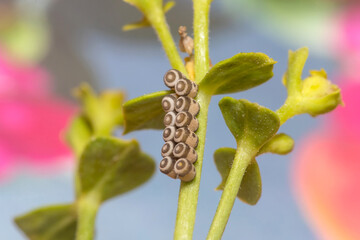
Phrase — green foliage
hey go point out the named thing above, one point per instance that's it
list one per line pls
(53, 222)
(249, 122)
(145, 22)
(250, 188)
(280, 144)
(78, 133)
(109, 167)
(241, 72)
(252, 126)
(104, 112)
(144, 112)
(315, 95)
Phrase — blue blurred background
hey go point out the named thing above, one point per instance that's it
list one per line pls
(87, 44)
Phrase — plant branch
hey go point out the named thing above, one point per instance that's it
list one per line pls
(189, 192)
(243, 157)
(87, 209)
(201, 38)
(288, 110)
(158, 22)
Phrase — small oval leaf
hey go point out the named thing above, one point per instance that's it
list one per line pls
(280, 144)
(56, 222)
(249, 122)
(109, 167)
(144, 112)
(250, 188)
(241, 72)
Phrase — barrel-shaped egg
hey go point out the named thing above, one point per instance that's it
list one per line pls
(187, 104)
(185, 170)
(182, 150)
(169, 133)
(187, 136)
(168, 103)
(170, 119)
(186, 87)
(186, 119)
(168, 149)
(171, 77)
(167, 165)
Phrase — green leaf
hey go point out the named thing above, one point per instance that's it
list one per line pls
(109, 167)
(280, 144)
(145, 22)
(241, 72)
(250, 188)
(78, 133)
(103, 111)
(144, 112)
(49, 223)
(249, 122)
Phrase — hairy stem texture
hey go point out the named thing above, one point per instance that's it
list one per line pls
(161, 27)
(189, 192)
(201, 38)
(242, 159)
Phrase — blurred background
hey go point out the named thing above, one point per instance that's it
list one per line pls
(48, 47)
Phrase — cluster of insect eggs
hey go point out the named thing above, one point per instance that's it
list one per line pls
(179, 152)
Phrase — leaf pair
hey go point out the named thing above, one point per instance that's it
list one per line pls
(107, 168)
(110, 167)
(254, 128)
(241, 72)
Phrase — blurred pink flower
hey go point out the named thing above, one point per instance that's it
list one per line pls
(347, 38)
(327, 171)
(31, 118)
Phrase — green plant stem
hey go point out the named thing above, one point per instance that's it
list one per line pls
(288, 110)
(189, 192)
(201, 38)
(244, 155)
(87, 209)
(158, 21)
